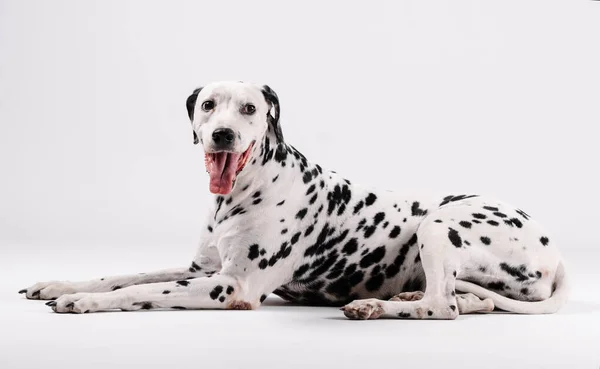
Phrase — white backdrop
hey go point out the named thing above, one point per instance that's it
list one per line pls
(499, 98)
(492, 97)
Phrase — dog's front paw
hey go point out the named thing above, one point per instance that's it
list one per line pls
(77, 303)
(363, 309)
(49, 290)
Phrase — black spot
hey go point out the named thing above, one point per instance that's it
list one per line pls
(210, 229)
(350, 247)
(295, 238)
(373, 257)
(416, 211)
(116, 288)
(263, 298)
(311, 189)
(178, 308)
(254, 251)
(491, 208)
(485, 240)
(307, 177)
(309, 230)
(378, 218)
(404, 315)
(280, 203)
(375, 282)
(370, 199)
(147, 305)
(256, 201)
(438, 221)
(183, 283)
(544, 240)
(496, 285)
(499, 214)
(482, 269)
(429, 312)
(166, 292)
(518, 273)
(465, 224)
(454, 274)
(263, 264)
(275, 178)
(369, 230)
(513, 222)
(525, 291)
(301, 214)
(214, 294)
(454, 237)
(493, 223)
(479, 216)
(229, 290)
(395, 232)
(453, 307)
(452, 198)
(222, 298)
(301, 270)
(523, 214)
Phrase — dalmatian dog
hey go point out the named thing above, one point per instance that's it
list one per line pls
(279, 223)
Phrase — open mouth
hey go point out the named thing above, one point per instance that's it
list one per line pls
(223, 167)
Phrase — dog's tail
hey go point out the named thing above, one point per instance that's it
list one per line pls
(549, 306)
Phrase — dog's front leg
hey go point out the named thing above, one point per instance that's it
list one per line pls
(206, 263)
(216, 292)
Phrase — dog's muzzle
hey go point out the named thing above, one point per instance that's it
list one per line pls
(223, 168)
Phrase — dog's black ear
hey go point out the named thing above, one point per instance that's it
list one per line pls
(273, 119)
(191, 104)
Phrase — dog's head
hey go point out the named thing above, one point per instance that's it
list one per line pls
(229, 118)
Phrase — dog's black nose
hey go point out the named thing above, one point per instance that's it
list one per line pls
(223, 136)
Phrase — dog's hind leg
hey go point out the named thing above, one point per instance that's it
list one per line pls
(440, 260)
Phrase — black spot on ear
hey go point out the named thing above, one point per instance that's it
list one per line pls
(190, 105)
(273, 119)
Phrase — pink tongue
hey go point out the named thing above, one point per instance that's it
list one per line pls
(222, 172)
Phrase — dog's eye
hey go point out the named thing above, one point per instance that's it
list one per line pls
(208, 105)
(248, 109)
